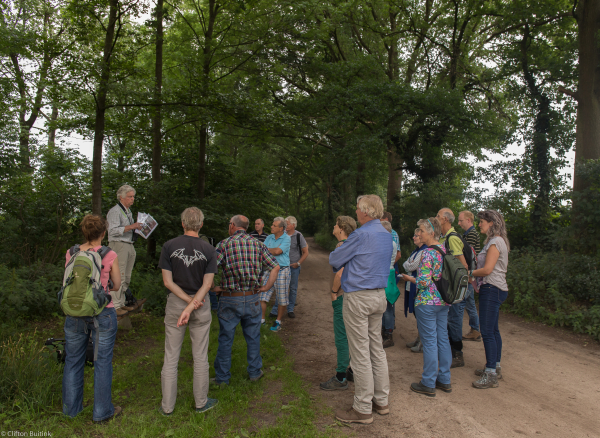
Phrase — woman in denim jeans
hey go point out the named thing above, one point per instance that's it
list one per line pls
(493, 291)
(78, 330)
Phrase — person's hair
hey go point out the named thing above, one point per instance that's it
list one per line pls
(387, 226)
(93, 227)
(292, 220)
(280, 221)
(192, 219)
(432, 225)
(241, 221)
(346, 224)
(387, 216)
(123, 190)
(261, 221)
(370, 205)
(498, 226)
(468, 215)
(447, 213)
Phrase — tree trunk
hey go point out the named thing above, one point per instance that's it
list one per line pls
(587, 143)
(394, 176)
(121, 159)
(52, 127)
(101, 109)
(202, 161)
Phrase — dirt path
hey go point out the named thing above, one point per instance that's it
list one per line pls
(551, 385)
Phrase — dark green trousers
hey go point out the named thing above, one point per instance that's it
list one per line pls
(339, 331)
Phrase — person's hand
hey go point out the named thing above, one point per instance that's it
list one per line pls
(294, 265)
(263, 288)
(198, 304)
(218, 289)
(184, 318)
(334, 296)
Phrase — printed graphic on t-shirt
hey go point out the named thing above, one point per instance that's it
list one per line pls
(188, 260)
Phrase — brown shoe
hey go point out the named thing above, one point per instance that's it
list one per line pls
(140, 303)
(473, 335)
(128, 308)
(352, 416)
(122, 311)
(388, 340)
(118, 412)
(381, 410)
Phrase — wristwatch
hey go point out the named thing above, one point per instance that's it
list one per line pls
(298, 263)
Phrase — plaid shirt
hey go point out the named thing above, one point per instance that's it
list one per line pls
(243, 258)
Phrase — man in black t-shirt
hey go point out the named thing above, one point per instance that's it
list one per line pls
(188, 266)
(259, 226)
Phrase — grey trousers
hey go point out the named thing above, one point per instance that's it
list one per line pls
(199, 325)
(362, 318)
(126, 254)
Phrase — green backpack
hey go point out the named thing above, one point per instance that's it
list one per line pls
(454, 282)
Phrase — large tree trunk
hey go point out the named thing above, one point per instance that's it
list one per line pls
(101, 109)
(394, 176)
(587, 143)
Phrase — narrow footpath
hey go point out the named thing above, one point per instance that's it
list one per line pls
(550, 386)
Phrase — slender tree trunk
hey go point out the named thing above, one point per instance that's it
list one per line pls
(121, 159)
(202, 161)
(101, 109)
(52, 130)
(394, 162)
(587, 143)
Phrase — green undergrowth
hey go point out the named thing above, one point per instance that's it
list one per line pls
(278, 405)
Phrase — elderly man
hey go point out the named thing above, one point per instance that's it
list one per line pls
(121, 237)
(259, 226)
(188, 265)
(465, 221)
(298, 253)
(242, 259)
(451, 239)
(365, 257)
(279, 245)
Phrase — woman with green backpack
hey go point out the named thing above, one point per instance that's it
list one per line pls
(92, 264)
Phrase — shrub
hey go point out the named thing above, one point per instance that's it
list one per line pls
(147, 283)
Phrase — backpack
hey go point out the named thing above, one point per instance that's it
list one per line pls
(454, 282)
(468, 251)
(82, 294)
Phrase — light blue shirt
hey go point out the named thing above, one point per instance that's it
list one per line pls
(282, 243)
(365, 257)
(396, 239)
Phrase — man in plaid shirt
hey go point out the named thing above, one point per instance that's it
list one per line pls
(242, 259)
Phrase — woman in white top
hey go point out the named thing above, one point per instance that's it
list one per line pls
(492, 263)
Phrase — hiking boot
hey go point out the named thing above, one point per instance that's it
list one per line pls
(487, 380)
(419, 388)
(118, 412)
(276, 326)
(163, 413)
(498, 372)
(352, 416)
(413, 343)
(418, 347)
(334, 384)
(381, 410)
(257, 378)
(446, 387)
(349, 375)
(458, 360)
(121, 312)
(210, 403)
(473, 335)
(129, 309)
(388, 340)
(291, 315)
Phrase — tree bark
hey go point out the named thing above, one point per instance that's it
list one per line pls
(394, 176)
(101, 109)
(587, 140)
(121, 159)
(52, 127)
(202, 161)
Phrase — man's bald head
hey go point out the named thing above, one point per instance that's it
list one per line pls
(240, 221)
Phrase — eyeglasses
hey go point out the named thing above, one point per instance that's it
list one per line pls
(231, 223)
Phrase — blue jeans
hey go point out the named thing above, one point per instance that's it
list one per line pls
(490, 299)
(214, 300)
(388, 320)
(455, 319)
(433, 330)
(293, 291)
(232, 311)
(471, 308)
(77, 333)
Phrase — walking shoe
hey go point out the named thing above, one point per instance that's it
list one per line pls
(210, 403)
(419, 388)
(498, 372)
(473, 335)
(121, 312)
(163, 413)
(418, 347)
(381, 410)
(257, 378)
(334, 384)
(349, 375)
(291, 315)
(118, 412)
(413, 343)
(446, 387)
(129, 309)
(388, 340)
(353, 416)
(276, 326)
(458, 360)
(139, 303)
(487, 380)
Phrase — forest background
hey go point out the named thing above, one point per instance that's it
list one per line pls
(270, 108)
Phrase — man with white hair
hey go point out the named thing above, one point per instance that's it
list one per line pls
(298, 253)
(121, 237)
(365, 257)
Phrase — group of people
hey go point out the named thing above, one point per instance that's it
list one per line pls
(364, 290)
(254, 266)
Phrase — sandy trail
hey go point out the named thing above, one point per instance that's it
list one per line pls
(551, 384)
